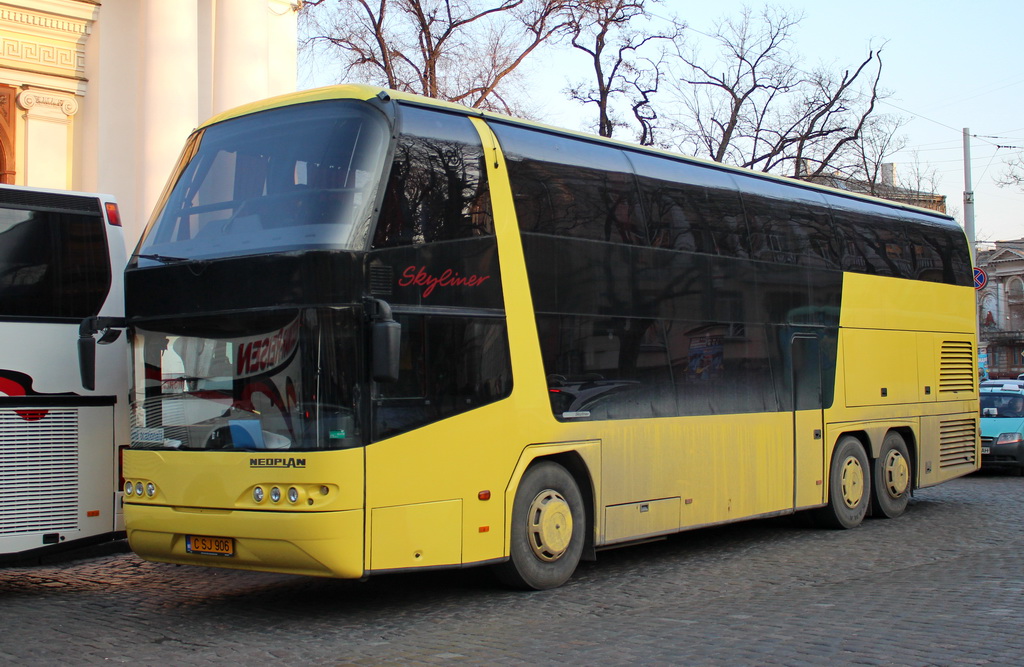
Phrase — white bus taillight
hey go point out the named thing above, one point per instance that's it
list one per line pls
(113, 214)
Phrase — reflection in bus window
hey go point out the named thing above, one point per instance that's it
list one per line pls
(438, 189)
(282, 179)
(52, 264)
(570, 188)
(691, 208)
(448, 365)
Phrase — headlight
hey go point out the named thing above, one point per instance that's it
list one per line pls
(150, 489)
(1009, 438)
(293, 495)
(275, 494)
(138, 489)
(128, 488)
(257, 494)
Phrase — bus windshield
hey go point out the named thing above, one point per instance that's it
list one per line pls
(283, 179)
(283, 380)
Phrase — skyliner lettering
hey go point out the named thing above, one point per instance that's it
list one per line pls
(418, 276)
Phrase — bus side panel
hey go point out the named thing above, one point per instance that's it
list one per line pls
(724, 468)
(879, 302)
(58, 456)
(435, 496)
(908, 363)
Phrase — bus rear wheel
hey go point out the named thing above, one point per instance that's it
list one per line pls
(849, 486)
(548, 529)
(890, 492)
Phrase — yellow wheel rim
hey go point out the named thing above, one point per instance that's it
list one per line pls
(851, 476)
(896, 473)
(550, 526)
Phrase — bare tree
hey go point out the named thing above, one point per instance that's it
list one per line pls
(1013, 177)
(918, 176)
(456, 50)
(753, 105)
(607, 31)
(872, 151)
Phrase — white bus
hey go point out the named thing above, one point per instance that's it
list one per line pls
(63, 369)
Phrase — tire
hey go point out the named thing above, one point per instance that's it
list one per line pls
(849, 486)
(891, 476)
(549, 524)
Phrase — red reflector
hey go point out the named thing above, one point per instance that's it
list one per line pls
(484, 495)
(485, 529)
(113, 215)
(92, 513)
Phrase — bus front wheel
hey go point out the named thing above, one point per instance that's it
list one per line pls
(890, 492)
(548, 529)
(849, 486)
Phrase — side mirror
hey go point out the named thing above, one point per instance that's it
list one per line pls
(87, 361)
(87, 344)
(385, 342)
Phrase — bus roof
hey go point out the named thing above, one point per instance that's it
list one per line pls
(366, 92)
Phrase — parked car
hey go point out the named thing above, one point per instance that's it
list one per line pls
(1002, 428)
(999, 384)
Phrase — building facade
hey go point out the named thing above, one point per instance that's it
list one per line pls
(99, 95)
(1001, 309)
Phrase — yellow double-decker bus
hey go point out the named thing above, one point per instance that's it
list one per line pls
(374, 332)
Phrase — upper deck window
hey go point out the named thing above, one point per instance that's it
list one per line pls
(438, 187)
(297, 177)
(571, 188)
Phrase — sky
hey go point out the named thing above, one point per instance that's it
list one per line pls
(948, 66)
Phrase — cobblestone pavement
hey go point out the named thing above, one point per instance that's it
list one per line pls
(942, 585)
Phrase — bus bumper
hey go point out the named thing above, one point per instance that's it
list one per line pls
(326, 544)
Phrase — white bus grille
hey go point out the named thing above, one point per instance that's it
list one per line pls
(38, 472)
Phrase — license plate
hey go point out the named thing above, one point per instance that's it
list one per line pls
(986, 450)
(210, 546)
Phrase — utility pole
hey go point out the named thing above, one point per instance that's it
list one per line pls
(968, 193)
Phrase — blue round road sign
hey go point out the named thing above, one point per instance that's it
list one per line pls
(980, 278)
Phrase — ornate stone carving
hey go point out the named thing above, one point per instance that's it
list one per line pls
(56, 23)
(28, 99)
(48, 55)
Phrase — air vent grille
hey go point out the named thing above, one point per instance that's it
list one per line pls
(381, 279)
(38, 472)
(957, 442)
(957, 367)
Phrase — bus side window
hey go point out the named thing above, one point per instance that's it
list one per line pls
(437, 189)
(448, 365)
(870, 244)
(606, 368)
(789, 225)
(721, 368)
(571, 188)
(938, 255)
(690, 208)
(52, 264)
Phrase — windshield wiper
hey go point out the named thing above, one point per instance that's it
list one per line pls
(164, 259)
